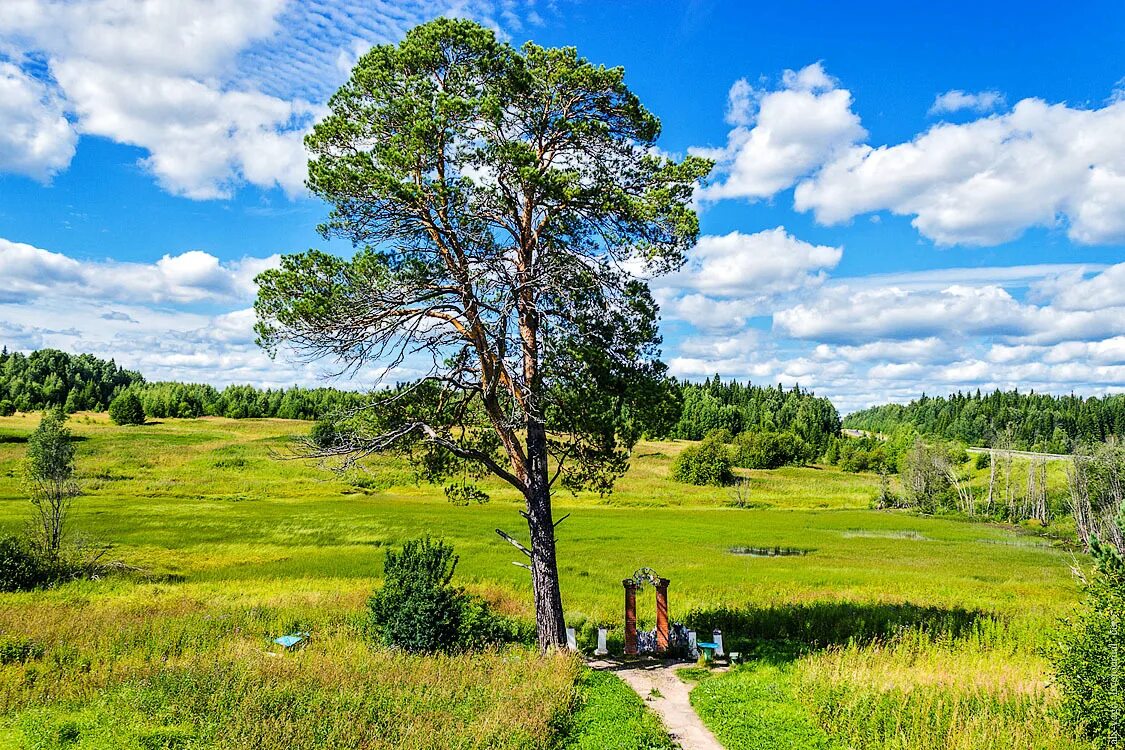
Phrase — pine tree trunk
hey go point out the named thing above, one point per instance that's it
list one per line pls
(549, 623)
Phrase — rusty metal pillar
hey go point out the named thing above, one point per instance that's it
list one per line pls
(662, 615)
(630, 616)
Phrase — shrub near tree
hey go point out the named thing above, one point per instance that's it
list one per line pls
(126, 409)
(1089, 654)
(419, 610)
(705, 463)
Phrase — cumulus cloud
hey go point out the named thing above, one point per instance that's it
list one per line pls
(219, 94)
(783, 134)
(733, 277)
(190, 277)
(957, 101)
(202, 142)
(1074, 290)
(980, 182)
(36, 139)
(986, 181)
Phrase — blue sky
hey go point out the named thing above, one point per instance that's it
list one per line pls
(906, 199)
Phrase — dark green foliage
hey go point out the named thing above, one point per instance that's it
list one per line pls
(22, 565)
(189, 400)
(733, 406)
(882, 454)
(1030, 421)
(418, 609)
(608, 715)
(19, 650)
(769, 450)
(1089, 654)
(126, 409)
(323, 434)
(49, 378)
(705, 463)
(480, 627)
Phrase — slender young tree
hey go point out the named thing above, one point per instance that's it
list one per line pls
(503, 203)
(49, 475)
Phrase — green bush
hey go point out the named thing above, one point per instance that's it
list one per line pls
(324, 434)
(126, 409)
(705, 463)
(23, 566)
(1089, 654)
(769, 450)
(7, 408)
(479, 627)
(419, 610)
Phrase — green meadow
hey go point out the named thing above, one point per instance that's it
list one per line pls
(895, 630)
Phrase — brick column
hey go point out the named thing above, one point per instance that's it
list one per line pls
(662, 615)
(630, 616)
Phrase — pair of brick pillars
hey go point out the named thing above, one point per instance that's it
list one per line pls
(631, 587)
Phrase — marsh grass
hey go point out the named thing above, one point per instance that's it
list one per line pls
(235, 546)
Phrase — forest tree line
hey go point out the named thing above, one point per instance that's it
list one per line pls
(1021, 421)
(50, 379)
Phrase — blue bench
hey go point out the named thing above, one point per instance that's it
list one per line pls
(708, 648)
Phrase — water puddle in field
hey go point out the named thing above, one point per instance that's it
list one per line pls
(771, 551)
(1037, 543)
(914, 536)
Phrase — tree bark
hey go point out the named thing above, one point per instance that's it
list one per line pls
(549, 623)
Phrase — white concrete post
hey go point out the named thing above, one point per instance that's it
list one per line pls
(571, 639)
(692, 649)
(602, 649)
(717, 637)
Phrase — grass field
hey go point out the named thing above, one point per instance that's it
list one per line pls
(898, 613)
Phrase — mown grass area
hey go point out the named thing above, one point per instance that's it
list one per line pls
(237, 545)
(610, 716)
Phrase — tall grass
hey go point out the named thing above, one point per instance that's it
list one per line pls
(897, 616)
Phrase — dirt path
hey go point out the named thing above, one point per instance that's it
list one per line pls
(667, 695)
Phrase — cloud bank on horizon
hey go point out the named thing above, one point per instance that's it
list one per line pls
(217, 96)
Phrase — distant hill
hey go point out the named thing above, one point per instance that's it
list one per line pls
(1028, 421)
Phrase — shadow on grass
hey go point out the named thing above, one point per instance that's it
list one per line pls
(13, 439)
(783, 632)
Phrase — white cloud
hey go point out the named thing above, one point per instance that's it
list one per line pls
(981, 182)
(957, 101)
(771, 261)
(733, 277)
(782, 135)
(1073, 291)
(986, 181)
(202, 142)
(217, 93)
(191, 277)
(909, 351)
(36, 139)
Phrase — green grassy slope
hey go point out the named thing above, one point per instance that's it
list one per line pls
(239, 544)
